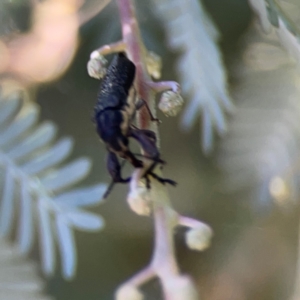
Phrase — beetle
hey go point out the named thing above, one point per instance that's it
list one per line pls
(113, 115)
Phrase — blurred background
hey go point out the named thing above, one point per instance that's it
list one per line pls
(246, 188)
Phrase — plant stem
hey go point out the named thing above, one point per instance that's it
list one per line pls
(163, 260)
(137, 53)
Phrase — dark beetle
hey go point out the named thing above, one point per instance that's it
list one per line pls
(113, 115)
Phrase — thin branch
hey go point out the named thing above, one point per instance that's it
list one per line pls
(163, 260)
(137, 53)
(163, 263)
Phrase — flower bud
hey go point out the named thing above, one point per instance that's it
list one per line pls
(199, 238)
(128, 292)
(153, 62)
(170, 103)
(139, 200)
(96, 65)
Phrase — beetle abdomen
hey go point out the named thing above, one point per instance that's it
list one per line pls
(109, 129)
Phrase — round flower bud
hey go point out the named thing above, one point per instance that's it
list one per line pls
(128, 292)
(199, 238)
(139, 201)
(170, 103)
(153, 62)
(96, 65)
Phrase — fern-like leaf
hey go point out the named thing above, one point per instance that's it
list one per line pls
(203, 78)
(32, 181)
(19, 279)
(260, 153)
(273, 14)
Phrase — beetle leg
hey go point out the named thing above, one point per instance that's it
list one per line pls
(148, 186)
(140, 103)
(149, 172)
(162, 180)
(114, 168)
(147, 139)
(133, 160)
(149, 133)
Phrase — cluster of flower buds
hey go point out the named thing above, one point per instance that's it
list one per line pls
(97, 65)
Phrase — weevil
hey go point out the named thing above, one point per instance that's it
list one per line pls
(113, 115)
